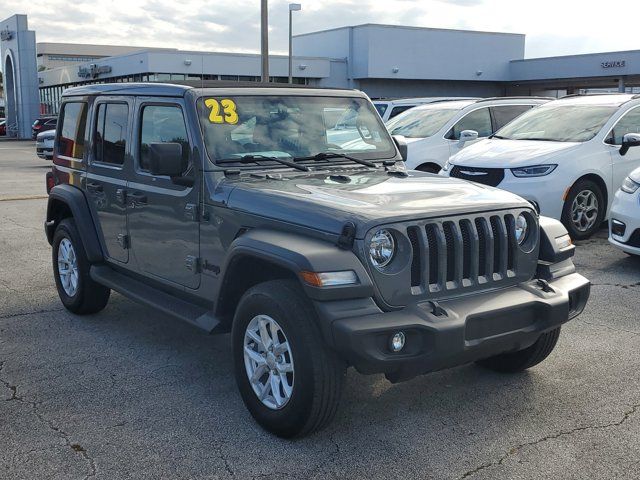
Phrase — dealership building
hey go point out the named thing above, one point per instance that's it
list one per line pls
(382, 60)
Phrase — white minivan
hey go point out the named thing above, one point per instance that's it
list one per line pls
(567, 157)
(390, 108)
(624, 224)
(436, 131)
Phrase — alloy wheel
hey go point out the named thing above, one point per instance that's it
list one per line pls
(68, 267)
(268, 362)
(584, 210)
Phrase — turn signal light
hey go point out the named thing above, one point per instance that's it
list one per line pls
(329, 279)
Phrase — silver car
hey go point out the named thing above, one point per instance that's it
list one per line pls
(44, 144)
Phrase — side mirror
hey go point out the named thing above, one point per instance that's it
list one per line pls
(165, 159)
(628, 141)
(401, 143)
(468, 136)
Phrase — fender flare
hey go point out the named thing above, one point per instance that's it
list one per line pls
(76, 201)
(296, 253)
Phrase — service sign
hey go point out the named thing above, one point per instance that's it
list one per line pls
(614, 64)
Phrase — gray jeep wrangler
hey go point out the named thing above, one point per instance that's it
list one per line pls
(259, 211)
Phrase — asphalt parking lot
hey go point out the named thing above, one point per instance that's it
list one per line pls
(130, 393)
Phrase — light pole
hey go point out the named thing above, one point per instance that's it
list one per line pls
(293, 7)
(264, 20)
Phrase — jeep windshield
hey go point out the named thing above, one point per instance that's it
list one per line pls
(292, 127)
(558, 123)
(422, 122)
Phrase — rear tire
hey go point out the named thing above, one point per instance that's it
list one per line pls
(578, 216)
(523, 359)
(316, 373)
(77, 290)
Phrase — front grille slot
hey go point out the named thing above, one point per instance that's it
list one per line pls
(462, 253)
(416, 261)
(433, 254)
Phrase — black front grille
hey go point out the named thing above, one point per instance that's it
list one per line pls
(465, 252)
(486, 176)
(634, 239)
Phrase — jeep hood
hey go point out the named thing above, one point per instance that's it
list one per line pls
(496, 153)
(367, 198)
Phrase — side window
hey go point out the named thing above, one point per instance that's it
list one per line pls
(398, 110)
(478, 120)
(503, 114)
(163, 124)
(74, 123)
(630, 123)
(111, 132)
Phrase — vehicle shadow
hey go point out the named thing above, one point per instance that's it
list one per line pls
(132, 363)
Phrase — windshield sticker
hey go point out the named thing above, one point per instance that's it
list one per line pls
(223, 111)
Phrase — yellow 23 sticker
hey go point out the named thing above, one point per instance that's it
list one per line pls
(223, 111)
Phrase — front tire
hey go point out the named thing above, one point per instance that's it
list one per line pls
(584, 209)
(77, 290)
(523, 359)
(288, 379)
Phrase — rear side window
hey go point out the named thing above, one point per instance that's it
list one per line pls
(163, 124)
(478, 120)
(381, 108)
(398, 110)
(74, 122)
(505, 113)
(630, 123)
(111, 131)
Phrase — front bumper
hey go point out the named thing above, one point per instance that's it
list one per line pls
(625, 212)
(471, 328)
(44, 150)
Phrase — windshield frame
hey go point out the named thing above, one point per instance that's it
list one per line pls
(613, 110)
(376, 157)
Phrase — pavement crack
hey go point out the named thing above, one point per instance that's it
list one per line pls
(562, 433)
(36, 312)
(608, 327)
(66, 437)
(620, 285)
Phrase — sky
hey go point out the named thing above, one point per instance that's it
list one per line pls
(553, 27)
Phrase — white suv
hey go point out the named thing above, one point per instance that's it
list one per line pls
(437, 131)
(567, 157)
(389, 109)
(624, 225)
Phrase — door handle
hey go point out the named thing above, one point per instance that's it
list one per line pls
(138, 198)
(94, 187)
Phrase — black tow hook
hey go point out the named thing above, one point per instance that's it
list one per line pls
(545, 287)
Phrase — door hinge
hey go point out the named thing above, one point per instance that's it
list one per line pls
(121, 196)
(192, 263)
(191, 211)
(123, 240)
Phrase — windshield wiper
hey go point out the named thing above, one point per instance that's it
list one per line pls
(328, 155)
(255, 158)
(499, 137)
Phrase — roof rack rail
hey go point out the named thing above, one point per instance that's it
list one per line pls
(591, 94)
(517, 97)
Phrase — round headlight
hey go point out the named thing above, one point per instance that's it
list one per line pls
(522, 228)
(381, 248)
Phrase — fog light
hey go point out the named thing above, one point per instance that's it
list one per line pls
(397, 342)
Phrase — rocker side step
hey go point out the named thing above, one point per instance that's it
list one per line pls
(152, 297)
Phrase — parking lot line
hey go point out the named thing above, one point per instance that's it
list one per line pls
(23, 197)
